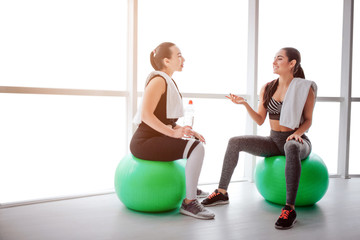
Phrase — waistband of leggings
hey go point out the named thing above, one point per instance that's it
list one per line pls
(277, 134)
(281, 134)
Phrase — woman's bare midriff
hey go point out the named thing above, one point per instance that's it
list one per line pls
(274, 124)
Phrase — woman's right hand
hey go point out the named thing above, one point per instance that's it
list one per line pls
(183, 132)
(236, 99)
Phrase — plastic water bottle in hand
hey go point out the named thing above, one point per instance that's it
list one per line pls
(189, 114)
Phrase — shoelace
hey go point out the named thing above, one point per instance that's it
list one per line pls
(198, 205)
(284, 214)
(213, 195)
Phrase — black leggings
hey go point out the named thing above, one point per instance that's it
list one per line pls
(151, 145)
(275, 144)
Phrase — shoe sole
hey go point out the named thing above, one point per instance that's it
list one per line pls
(187, 213)
(285, 228)
(216, 203)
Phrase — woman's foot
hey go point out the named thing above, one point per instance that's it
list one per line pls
(287, 218)
(196, 210)
(216, 198)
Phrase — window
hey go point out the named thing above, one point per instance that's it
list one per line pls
(293, 23)
(212, 39)
(324, 134)
(356, 52)
(354, 164)
(59, 145)
(63, 44)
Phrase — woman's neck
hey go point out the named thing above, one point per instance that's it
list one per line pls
(285, 80)
(168, 72)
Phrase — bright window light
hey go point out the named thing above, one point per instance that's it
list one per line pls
(56, 145)
(314, 28)
(59, 145)
(354, 164)
(326, 143)
(212, 36)
(63, 44)
(356, 52)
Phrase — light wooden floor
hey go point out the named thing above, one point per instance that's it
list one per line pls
(248, 216)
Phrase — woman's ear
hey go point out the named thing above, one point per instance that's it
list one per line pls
(292, 63)
(166, 62)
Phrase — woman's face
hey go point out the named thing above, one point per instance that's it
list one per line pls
(176, 62)
(281, 64)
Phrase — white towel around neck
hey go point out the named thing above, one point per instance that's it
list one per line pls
(294, 102)
(174, 104)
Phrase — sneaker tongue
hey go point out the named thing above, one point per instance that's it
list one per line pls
(287, 207)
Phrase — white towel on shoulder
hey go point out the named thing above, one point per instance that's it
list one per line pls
(174, 104)
(293, 105)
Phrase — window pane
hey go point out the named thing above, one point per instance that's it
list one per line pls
(212, 36)
(59, 145)
(217, 120)
(317, 38)
(354, 164)
(323, 144)
(356, 52)
(63, 44)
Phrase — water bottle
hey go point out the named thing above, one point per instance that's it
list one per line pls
(189, 114)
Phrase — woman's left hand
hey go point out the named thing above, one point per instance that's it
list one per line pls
(236, 99)
(295, 136)
(199, 136)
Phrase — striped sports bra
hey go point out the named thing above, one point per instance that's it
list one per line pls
(274, 109)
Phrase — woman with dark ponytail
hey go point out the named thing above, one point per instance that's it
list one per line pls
(290, 101)
(158, 137)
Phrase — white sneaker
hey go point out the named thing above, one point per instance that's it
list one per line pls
(196, 210)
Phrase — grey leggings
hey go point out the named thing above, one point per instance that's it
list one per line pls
(273, 145)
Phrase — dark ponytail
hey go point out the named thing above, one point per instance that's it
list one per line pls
(160, 52)
(269, 91)
(299, 72)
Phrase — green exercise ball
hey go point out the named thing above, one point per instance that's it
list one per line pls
(270, 180)
(150, 186)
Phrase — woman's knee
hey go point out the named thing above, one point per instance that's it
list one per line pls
(292, 146)
(235, 141)
(200, 149)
